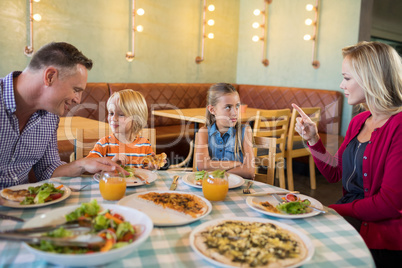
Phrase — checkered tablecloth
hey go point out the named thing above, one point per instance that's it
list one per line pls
(336, 243)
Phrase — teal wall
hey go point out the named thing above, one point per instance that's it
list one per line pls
(166, 50)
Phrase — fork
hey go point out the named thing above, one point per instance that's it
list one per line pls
(77, 189)
(247, 190)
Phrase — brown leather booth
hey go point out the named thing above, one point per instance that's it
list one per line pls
(173, 136)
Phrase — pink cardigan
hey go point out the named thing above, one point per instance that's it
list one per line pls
(381, 208)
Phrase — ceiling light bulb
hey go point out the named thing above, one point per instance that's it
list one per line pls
(257, 12)
(307, 37)
(211, 22)
(211, 7)
(255, 38)
(256, 25)
(211, 36)
(140, 12)
(140, 28)
(129, 56)
(37, 17)
(308, 21)
(309, 7)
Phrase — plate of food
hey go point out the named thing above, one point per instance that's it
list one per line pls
(169, 208)
(296, 206)
(194, 179)
(123, 229)
(252, 242)
(137, 177)
(34, 195)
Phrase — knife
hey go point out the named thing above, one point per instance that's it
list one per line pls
(7, 217)
(271, 193)
(174, 184)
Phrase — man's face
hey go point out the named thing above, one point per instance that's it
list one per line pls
(66, 89)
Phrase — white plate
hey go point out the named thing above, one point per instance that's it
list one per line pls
(274, 202)
(159, 215)
(144, 173)
(99, 258)
(234, 180)
(14, 204)
(307, 241)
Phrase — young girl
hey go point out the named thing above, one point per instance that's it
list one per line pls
(127, 116)
(224, 143)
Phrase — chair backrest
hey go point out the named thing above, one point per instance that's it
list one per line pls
(273, 123)
(313, 112)
(266, 143)
(87, 138)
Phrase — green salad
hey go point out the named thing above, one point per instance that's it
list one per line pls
(43, 193)
(218, 173)
(294, 207)
(110, 226)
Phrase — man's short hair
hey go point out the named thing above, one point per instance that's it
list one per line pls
(59, 54)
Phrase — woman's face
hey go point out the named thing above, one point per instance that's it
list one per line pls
(353, 91)
(119, 123)
(226, 111)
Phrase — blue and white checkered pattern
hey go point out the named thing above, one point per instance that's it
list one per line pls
(337, 244)
(35, 147)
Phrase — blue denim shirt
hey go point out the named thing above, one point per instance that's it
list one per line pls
(222, 147)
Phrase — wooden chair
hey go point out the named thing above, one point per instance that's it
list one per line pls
(274, 123)
(87, 138)
(296, 147)
(269, 144)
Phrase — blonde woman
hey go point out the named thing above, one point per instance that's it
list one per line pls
(127, 116)
(224, 143)
(369, 161)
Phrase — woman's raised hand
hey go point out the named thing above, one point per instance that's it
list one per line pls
(306, 128)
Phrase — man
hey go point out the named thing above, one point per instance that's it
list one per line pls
(30, 105)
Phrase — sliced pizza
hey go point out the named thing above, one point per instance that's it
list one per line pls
(15, 195)
(159, 160)
(251, 244)
(266, 206)
(184, 203)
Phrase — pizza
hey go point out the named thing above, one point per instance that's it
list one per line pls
(250, 244)
(184, 203)
(158, 160)
(15, 195)
(266, 206)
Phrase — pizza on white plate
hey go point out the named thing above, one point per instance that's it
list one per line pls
(15, 195)
(266, 206)
(250, 244)
(184, 203)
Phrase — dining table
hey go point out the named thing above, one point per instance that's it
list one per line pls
(336, 243)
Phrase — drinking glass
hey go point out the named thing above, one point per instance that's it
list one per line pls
(215, 185)
(112, 185)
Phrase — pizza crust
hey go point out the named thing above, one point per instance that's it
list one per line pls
(200, 243)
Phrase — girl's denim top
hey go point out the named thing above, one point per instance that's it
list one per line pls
(221, 148)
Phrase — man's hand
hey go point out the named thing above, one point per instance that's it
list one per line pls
(94, 165)
(306, 128)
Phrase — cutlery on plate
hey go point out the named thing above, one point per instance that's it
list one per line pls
(47, 228)
(280, 200)
(78, 189)
(78, 241)
(271, 193)
(174, 184)
(247, 190)
(12, 218)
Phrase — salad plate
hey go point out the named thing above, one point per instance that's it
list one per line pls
(57, 216)
(147, 176)
(161, 216)
(234, 180)
(15, 204)
(314, 202)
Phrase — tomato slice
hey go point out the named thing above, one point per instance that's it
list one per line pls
(118, 216)
(53, 197)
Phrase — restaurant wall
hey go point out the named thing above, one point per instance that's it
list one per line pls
(288, 54)
(165, 50)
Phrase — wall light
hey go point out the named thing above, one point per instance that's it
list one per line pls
(139, 28)
(314, 38)
(264, 26)
(204, 23)
(28, 51)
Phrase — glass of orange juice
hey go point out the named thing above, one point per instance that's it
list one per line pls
(112, 185)
(215, 185)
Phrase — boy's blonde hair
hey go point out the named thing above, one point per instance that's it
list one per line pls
(214, 93)
(132, 104)
(378, 70)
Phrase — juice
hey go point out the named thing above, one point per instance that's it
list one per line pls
(215, 189)
(112, 188)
